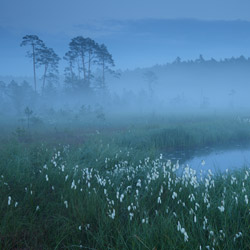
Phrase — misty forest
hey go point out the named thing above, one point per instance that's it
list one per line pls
(96, 156)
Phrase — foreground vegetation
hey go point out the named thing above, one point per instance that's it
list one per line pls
(114, 190)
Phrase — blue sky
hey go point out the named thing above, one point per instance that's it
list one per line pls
(137, 33)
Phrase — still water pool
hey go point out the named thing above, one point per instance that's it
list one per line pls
(216, 159)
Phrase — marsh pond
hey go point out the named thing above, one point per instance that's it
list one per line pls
(217, 159)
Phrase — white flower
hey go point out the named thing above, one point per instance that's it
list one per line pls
(221, 208)
(179, 226)
(183, 231)
(191, 197)
(196, 206)
(159, 200)
(131, 216)
(174, 195)
(112, 215)
(37, 208)
(9, 200)
(66, 204)
(236, 199)
(204, 222)
(246, 199)
(73, 185)
(16, 203)
(138, 183)
(121, 197)
(239, 234)
(185, 237)
(46, 177)
(246, 175)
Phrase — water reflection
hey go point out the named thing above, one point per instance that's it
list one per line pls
(216, 159)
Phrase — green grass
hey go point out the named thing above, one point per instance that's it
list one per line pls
(66, 201)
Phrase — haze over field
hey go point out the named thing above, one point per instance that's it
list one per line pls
(124, 124)
(165, 55)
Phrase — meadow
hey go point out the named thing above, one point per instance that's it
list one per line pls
(108, 185)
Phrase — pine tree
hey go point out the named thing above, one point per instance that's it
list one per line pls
(106, 61)
(36, 44)
(49, 59)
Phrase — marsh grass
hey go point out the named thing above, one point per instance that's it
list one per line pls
(115, 191)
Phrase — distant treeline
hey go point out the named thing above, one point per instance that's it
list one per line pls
(212, 61)
(87, 79)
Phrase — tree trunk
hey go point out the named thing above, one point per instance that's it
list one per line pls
(34, 65)
(89, 68)
(78, 68)
(71, 69)
(103, 74)
(44, 76)
(83, 67)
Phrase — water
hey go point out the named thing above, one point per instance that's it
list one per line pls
(215, 159)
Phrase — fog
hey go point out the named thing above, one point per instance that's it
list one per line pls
(194, 86)
(103, 68)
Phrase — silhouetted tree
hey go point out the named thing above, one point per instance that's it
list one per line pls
(36, 44)
(200, 59)
(2, 89)
(20, 95)
(78, 49)
(177, 60)
(106, 61)
(77, 57)
(83, 54)
(91, 50)
(29, 96)
(28, 112)
(13, 92)
(69, 71)
(49, 59)
(2, 94)
(151, 78)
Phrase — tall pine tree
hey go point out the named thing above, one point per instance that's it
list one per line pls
(35, 45)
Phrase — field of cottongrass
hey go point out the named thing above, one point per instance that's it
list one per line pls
(105, 194)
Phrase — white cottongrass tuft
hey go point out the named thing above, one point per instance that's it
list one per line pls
(9, 200)
(66, 204)
(174, 195)
(246, 199)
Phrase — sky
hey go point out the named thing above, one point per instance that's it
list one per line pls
(137, 33)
